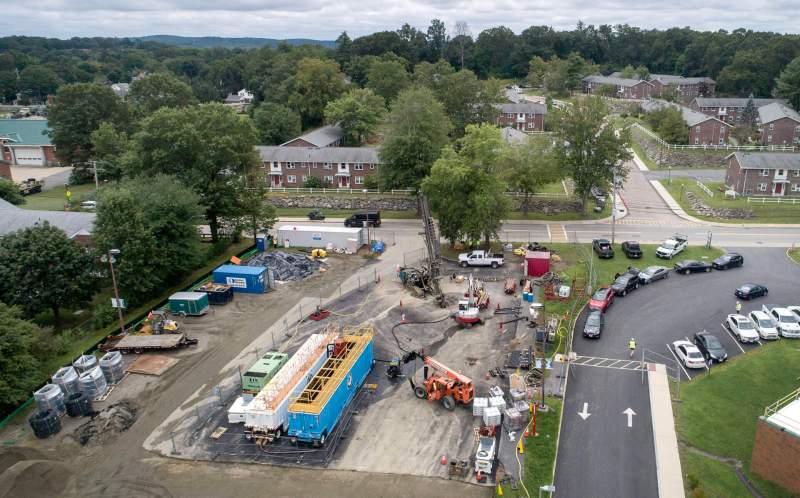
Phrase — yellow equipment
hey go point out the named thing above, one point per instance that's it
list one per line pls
(319, 253)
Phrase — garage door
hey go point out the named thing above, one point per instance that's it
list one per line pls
(28, 156)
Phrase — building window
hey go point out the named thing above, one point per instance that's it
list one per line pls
(697, 129)
(762, 187)
(769, 139)
(343, 167)
(510, 116)
(326, 166)
(289, 165)
(328, 179)
(358, 167)
(314, 165)
(291, 179)
(305, 178)
(764, 172)
(780, 173)
(372, 166)
(771, 126)
(796, 172)
(275, 164)
(696, 140)
(796, 187)
(531, 125)
(721, 130)
(359, 180)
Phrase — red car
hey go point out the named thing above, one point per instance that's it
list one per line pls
(602, 298)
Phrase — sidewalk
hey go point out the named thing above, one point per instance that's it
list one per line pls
(668, 462)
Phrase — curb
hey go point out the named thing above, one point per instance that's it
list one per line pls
(668, 462)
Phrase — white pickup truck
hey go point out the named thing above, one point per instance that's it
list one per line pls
(672, 246)
(480, 258)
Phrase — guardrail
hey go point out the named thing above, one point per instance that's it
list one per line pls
(704, 188)
(773, 200)
(751, 148)
(774, 407)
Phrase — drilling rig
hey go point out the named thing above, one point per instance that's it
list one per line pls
(434, 251)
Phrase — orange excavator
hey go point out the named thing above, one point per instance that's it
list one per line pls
(441, 383)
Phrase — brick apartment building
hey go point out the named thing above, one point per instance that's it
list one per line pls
(779, 125)
(764, 173)
(728, 109)
(703, 129)
(686, 88)
(776, 448)
(325, 136)
(24, 142)
(524, 116)
(340, 167)
(624, 88)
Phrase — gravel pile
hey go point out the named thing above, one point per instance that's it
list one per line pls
(107, 423)
(286, 266)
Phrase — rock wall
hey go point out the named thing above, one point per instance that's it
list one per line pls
(373, 202)
(704, 209)
(683, 159)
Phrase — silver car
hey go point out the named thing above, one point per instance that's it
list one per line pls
(653, 273)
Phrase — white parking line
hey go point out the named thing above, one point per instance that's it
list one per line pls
(735, 341)
(549, 235)
(679, 361)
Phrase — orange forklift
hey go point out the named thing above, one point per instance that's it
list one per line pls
(440, 381)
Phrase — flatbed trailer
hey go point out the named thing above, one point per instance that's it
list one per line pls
(141, 343)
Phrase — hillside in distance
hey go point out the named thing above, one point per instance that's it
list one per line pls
(218, 41)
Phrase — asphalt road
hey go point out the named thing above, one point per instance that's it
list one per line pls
(602, 456)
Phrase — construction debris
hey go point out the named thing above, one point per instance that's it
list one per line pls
(286, 266)
(105, 424)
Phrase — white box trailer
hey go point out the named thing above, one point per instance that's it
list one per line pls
(321, 236)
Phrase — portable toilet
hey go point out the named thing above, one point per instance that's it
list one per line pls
(188, 303)
(537, 263)
(261, 243)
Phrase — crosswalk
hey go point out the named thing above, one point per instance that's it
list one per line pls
(655, 223)
(592, 361)
(557, 232)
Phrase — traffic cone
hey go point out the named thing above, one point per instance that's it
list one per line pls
(444, 460)
(479, 477)
(527, 432)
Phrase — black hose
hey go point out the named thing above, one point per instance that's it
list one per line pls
(413, 323)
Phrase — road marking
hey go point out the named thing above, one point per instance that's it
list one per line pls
(585, 413)
(630, 413)
(735, 341)
(679, 361)
(557, 233)
(612, 363)
(549, 235)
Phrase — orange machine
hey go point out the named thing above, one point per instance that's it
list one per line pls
(443, 384)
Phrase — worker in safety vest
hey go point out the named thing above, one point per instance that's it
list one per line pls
(738, 307)
(632, 346)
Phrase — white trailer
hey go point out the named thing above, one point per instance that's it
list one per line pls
(321, 236)
(267, 415)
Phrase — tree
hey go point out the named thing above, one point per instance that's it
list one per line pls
(464, 188)
(642, 72)
(588, 149)
(276, 123)
(317, 182)
(462, 39)
(787, 86)
(529, 166)
(437, 39)
(315, 83)
(628, 72)
(668, 122)
(257, 216)
(607, 90)
(8, 86)
(467, 100)
(41, 269)
(152, 221)
(493, 51)
(358, 112)
(670, 93)
(344, 49)
(208, 147)
(537, 68)
(19, 368)
(78, 110)
(749, 113)
(556, 78)
(108, 148)
(432, 75)
(155, 91)
(415, 136)
(9, 192)
(387, 77)
(38, 82)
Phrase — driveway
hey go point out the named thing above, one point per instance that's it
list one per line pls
(704, 175)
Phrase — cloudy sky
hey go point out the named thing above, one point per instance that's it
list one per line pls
(322, 19)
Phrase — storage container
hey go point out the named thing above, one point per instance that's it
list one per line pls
(478, 405)
(251, 279)
(188, 303)
(497, 402)
(218, 294)
(491, 416)
(262, 371)
(324, 236)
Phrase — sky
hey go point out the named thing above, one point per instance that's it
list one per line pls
(325, 20)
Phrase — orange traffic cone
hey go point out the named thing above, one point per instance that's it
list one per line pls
(527, 432)
(444, 460)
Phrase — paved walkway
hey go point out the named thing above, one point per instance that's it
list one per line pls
(668, 463)
(645, 206)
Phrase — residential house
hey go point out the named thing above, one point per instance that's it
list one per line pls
(325, 136)
(239, 100)
(341, 167)
(685, 88)
(728, 109)
(25, 142)
(525, 116)
(703, 129)
(764, 173)
(78, 226)
(121, 89)
(779, 125)
(624, 88)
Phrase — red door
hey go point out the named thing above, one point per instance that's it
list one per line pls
(778, 188)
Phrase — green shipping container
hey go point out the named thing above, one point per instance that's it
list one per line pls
(188, 303)
(262, 371)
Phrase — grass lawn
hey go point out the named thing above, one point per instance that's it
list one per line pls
(716, 479)
(567, 216)
(639, 150)
(738, 391)
(764, 213)
(540, 452)
(54, 199)
(794, 254)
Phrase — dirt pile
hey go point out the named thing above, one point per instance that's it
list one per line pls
(286, 266)
(27, 472)
(106, 424)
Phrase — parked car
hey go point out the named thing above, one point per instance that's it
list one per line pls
(688, 354)
(786, 321)
(316, 214)
(602, 298)
(89, 204)
(631, 249)
(594, 325)
(672, 247)
(688, 266)
(603, 248)
(742, 328)
(625, 283)
(750, 291)
(795, 310)
(480, 258)
(364, 218)
(710, 347)
(765, 325)
(729, 260)
(653, 273)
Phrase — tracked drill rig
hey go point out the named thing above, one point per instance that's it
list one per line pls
(434, 251)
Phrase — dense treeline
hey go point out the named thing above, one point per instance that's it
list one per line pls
(742, 61)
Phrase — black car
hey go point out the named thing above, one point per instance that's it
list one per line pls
(710, 347)
(364, 218)
(749, 291)
(729, 260)
(594, 325)
(316, 215)
(603, 248)
(632, 249)
(688, 266)
(625, 283)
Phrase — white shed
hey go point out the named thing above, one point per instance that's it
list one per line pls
(321, 236)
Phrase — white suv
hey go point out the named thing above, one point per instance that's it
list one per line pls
(743, 328)
(766, 326)
(787, 322)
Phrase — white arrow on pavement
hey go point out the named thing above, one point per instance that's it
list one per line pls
(630, 413)
(585, 413)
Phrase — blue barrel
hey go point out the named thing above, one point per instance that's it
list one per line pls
(378, 246)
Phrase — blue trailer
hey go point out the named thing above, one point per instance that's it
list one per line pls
(252, 279)
(315, 413)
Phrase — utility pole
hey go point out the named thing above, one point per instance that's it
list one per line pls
(614, 207)
(96, 181)
(111, 260)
